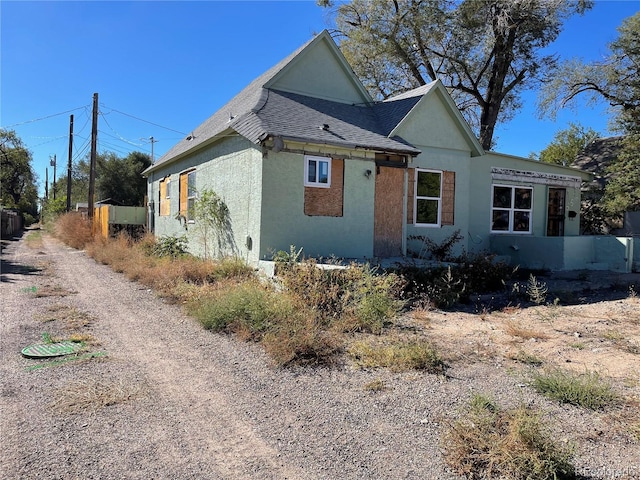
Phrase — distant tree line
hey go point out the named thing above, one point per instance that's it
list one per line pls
(18, 181)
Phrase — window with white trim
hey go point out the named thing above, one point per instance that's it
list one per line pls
(317, 171)
(511, 209)
(428, 198)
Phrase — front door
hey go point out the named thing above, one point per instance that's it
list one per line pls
(387, 226)
(555, 212)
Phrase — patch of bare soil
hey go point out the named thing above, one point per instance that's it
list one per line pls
(152, 395)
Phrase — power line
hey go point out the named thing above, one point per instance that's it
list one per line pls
(142, 120)
(118, 136)
(42, 118)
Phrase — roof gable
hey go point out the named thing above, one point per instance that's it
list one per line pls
(430, 113)
(320, 71)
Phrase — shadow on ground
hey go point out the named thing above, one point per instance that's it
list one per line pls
(9, 268)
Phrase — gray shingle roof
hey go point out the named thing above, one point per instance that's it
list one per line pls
(300, 117)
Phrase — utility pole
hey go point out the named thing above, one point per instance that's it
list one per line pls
(152, 140)
(52, 162)
(94, 145)
(46, 183)
(69, 164)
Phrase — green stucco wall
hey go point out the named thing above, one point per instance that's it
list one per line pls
(588, 252)
(284, 222)
(232, 169)
(320, 73)
(445, 160)
(480, 195)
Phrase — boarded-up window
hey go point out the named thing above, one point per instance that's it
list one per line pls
(327, 202)
(187, 194)
(164, 196)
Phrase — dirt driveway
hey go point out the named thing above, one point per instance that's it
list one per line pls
(156, 396)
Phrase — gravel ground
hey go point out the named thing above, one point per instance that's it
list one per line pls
(162, 398)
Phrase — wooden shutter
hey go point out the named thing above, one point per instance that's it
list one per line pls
(448, 197)
(184, 188)
(165, 205)
(411, 190)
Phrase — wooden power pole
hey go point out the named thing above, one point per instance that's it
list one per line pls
(69, 164)
(94, 145)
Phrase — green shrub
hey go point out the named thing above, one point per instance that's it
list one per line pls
(357, 298)
(444, 287)
(587, 390)
(487, 442)
(167, 246)
(249, 308)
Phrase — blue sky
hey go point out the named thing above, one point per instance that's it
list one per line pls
(161, 68)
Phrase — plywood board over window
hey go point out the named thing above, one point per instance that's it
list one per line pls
(164, 194)
(327, 202)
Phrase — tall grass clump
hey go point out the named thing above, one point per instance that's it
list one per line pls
(491, 443)
(585, 390)
(399, 356)
(73, 229)
(301, 339)
(353, 298)
(254, 311)
(249, 307)
(158, 265)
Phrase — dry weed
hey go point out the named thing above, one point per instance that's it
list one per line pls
(88, 396)
(52, 291)
(74, 230)
(71, 316)
(516, 329)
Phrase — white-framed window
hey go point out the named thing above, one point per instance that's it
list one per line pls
(168, 186)
(317, 171)
(511, 209)
(428, 198)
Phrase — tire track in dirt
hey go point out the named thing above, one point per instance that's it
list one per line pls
(183, 374)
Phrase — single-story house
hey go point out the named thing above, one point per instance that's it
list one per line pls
(304, 156)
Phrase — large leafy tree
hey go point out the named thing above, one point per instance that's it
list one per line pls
(121, 180)
(567, 144)
(18, 189)
(616, 80)
(118, 179)
(484, 51)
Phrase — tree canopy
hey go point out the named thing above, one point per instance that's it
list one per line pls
(118, 179)
(484, 51)
(17, 178)
(616, 80)
(567, 144)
